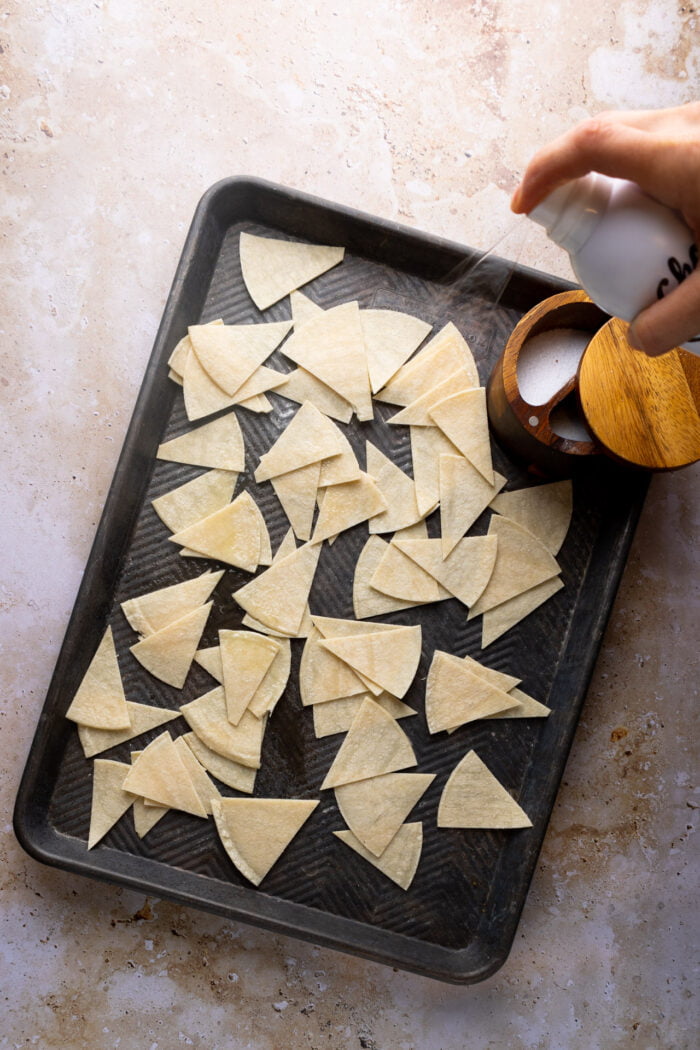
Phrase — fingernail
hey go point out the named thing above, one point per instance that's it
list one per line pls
(516, 201)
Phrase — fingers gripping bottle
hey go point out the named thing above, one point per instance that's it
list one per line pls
(626, 249)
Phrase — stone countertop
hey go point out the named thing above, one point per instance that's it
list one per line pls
(116, 116)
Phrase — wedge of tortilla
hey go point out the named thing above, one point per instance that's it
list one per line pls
(390, 338)
(303, 308)
(272, 268)
(196, 499)
(365, 599)
(324, 677)
(401, 577)
(375, 744)
(399, 861)
(348, 504)
(463, 420)
(110, 800)
(428, 444)
(230, 354)
(545, 510)
(231, 535)
(331, 346)
(206, 716)
(218, 444)
(417, 414)
(204, 787)
(154, 610)
(279, 596)
(398, 490)
(529, 707)
(246, 658)
(474, 798)
(302, 386)
(160, 774)
(388, 658)
(182, 351)
(500, 619)
(522, 562)
(296, 490)
(454, 695)
(143, 717)
(337, 715)
(255, 832)
(233, 774)
(100, 701)
(168, 654)
(308, 438)
(446, 352)
(375, 809)
(466, 571)
(464, 495)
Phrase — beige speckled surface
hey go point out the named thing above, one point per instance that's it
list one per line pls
(115, 116)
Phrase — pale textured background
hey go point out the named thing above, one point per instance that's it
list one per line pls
(115, 116)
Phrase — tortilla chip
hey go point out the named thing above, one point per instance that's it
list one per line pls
(245, 658)
(302, 386)
(196, 499)
(201, 394)
(375, 744)
(233, 774)
(218, 444)
(454, 695)
(500, 679)
(99, 701)
(179, 356)
(256, 831)
(146, 817)
(397, 489)
(545, 510)
(346, 505)
(230, 354)
(529, 707)
(464, 495)
(522, 562)
(231, 535)
(474, 798)
(465, 573)
(154, 610)
(308, 438)
(296, 491)
(206, 716)
(388, 658)
(109, 798)
(203, 786)
(375, 809)
(462, 418)
(339, 469)
(337, 716)
(417, 414)
(274, 683)
(303, 308)
(142, 716)
(278, 597)
(365, 599)
(401, 577)
(399, 861)
(500, 619)
(331, 346)
(440, 358)
(324, 677)
(160, 774)
(272, 268)
(390, 339)
(167, 654)
(428, 444)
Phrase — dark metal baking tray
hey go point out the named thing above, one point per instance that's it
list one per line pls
(458, 919)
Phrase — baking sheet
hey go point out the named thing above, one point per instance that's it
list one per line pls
(458, 919)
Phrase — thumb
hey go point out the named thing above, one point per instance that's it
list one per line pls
(670, 321)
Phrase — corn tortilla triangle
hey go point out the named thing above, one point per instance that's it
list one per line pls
(154, 610)
(230, 354)
(323, 677)
(375, 809)
(206, 716)
(272, 268)
(335, 627)
(466, 571)
(390, 338)
(331, 346)
(417, 414)
(545, 510)
(529, 707)
(160, 774)
(375, 744)
(502, 617)
(366, 600)
(255, 832)
(195, 499)
(464, 495)
(348, 504)
(500, 679)
(398, 490)
(308, 437)
(302, 386)
(231, 535)
(296, 491)
(168, 654)
(142, 716)
(446, 352)
(474, 798)
(233, 774)
(401, 577)
(454, 695)
(109, 798)
(337, 715)
(278, 597)
(340, 468)
(428, 444)
(462, 418)
(99, 701)
(179, 356)
(218, 444)
(399, 861)
(203, 786)
(246, 658)
(389, 659)
(303, 308)
(522, 561)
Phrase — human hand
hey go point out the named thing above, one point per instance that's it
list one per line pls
(660, 151)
